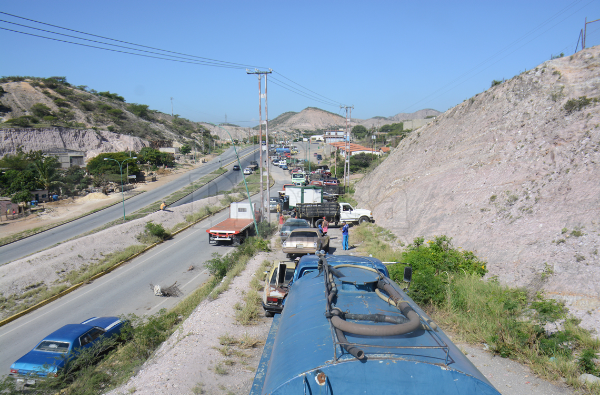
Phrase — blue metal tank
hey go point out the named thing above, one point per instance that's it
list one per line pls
(308, 355)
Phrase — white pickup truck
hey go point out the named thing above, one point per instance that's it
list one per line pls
(334, 212)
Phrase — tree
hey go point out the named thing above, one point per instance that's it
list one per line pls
(141, 110)
(46, 172)
(21, 196)
(359, 131)
(40, 110)
(185, 149)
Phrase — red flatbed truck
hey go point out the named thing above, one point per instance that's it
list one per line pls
(236, 228)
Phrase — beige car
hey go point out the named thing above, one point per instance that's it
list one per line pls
(304, 241)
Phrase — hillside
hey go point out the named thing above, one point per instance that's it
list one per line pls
(511, 173)
(43, 104)
(309, 119)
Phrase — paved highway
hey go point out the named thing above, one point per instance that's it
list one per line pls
(125, 290)
(40, 241)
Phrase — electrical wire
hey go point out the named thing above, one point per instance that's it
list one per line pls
(128, 43)
(124, 52)
(190, 59)
(297, 91)
(115, 45)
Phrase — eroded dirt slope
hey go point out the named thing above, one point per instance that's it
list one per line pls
(513, 175)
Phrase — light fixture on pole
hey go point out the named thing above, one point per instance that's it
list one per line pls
(121, 170)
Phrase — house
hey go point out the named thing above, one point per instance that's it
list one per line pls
(40, 195)
(353, 149)
(315, 138)
(333, 136)
(66, 157)
(384, 150)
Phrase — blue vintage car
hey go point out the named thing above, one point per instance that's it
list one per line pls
(51, 355)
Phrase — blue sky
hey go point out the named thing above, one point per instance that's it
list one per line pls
(383, 57)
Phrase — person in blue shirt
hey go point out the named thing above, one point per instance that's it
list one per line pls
(344, 235)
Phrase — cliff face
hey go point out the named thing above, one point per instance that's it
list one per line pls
(91, 141)
(513, 175)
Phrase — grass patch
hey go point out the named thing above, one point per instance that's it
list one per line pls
(249, 312)
(88, 271)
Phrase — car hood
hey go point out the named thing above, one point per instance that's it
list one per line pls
(39, 361)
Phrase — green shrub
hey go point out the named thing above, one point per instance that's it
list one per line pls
(577, 104)
(157, 230)
(496, 82)
(586, 363)
(433, 263)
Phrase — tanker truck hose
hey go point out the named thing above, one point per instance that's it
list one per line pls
(413, 323)
(350, 348)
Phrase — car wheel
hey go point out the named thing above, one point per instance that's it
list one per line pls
(362, 220)
(269, 313)
(237, 241)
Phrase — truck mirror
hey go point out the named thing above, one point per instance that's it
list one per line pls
(408, 274)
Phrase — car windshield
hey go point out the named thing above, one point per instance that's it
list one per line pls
(304, 234)
(53, 346)
(297, 223)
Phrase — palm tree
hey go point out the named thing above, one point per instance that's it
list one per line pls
(47, 172)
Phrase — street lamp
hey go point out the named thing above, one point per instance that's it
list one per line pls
(121, 170)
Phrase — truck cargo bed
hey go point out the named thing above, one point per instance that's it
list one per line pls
(230, 226)
(318, 209)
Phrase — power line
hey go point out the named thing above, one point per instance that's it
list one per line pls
(126, 42)
(114, 45)
(185, 58)
(294, 90)
(125, 52)
(334, 101)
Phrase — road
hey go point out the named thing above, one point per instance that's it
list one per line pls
(125, 290)
(40, 241)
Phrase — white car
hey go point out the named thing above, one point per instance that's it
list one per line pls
(247, 171)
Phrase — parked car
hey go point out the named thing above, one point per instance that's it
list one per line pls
(236, 167)
(276, 286)
(61, 347)
(331, 181)
(247, 171)
(290, 225)
(319, 157)
(305, 241)
(283, 167)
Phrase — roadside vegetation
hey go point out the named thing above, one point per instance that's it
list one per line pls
(512, 322)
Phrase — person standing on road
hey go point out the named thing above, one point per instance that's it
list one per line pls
(325, 225)
(344, 235)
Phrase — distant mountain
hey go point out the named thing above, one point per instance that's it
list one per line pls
(309, 119)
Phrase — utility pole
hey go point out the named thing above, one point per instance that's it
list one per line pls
(347, 147)
(260, 146)
(171, 106)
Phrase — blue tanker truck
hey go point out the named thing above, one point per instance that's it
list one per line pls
(348, 329)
